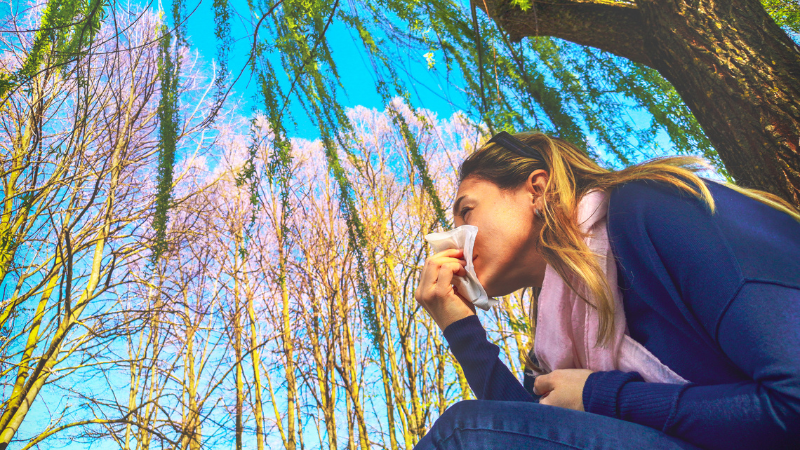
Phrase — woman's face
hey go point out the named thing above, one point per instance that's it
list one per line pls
(505, 255)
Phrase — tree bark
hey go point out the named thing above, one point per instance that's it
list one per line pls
(736, 69)
(255, 356)
(237, 349)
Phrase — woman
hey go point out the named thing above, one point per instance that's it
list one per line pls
(710, 281)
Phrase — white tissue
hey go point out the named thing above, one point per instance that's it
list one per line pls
(469, 287)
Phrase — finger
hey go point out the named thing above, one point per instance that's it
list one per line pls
(445, 279)
(450, 253)
(433, 265)
(430, 272)
(455, 268)
(542, 384)
(459, 270)
(447, 259)
(544, 400)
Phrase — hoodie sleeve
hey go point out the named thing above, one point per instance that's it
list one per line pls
(488, 377)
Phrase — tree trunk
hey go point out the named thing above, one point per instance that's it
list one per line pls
(237, 349)
(288, 348)
(255, 355)
(324, 367)
(736, 69)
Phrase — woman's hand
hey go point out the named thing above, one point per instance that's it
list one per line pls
(563, 388)
(436, 292)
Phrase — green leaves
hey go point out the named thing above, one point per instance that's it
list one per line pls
(168, 118)
(522, 4)
(222, 31)
(786, 13)
(66, 32)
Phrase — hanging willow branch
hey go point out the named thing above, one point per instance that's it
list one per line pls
(410, 140)
(168, 118)
(67, 31)
(222, 31)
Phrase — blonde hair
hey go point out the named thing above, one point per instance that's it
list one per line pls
(571, 175)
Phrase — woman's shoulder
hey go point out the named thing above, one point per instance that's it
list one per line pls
(651, 206)
(762, 241)
(658, 202)
(650, 196)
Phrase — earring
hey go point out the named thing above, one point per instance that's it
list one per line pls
(538, 213)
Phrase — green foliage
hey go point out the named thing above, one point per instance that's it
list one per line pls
(786, 13)
(385, 69)
(168, 118)
(169, 70)
(222, 31)
(178, 21)
(522, 4)
(543, 83)
(67, 29)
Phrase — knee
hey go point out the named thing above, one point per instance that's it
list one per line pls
(456, 415)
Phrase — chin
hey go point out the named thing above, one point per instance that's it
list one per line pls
(498, 293)
(488, 285)
(493, 290)
(494, 287)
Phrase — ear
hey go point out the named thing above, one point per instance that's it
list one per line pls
(536, 183)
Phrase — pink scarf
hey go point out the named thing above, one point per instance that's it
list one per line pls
(566, 327)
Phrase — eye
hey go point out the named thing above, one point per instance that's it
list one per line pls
(464, 211)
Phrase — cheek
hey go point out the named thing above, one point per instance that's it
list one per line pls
(498, 244)
(490, 247)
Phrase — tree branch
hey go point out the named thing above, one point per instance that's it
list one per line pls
(609, 25)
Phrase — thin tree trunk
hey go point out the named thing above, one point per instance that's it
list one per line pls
(411, 357)
(278, 419)
(386, 378)
(324, 368)
(143, 435)
(288, 351)
(280, 212)
(192, 436)
(136, 357)
(237, 349)
(255, 356)
(355, 387)
(394, 371)
(300, 425)
(441, 364)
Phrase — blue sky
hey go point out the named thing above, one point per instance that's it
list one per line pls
(356, 75)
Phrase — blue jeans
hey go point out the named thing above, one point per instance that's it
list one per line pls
(491, 424)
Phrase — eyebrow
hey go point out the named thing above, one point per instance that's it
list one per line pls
(457, 203)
